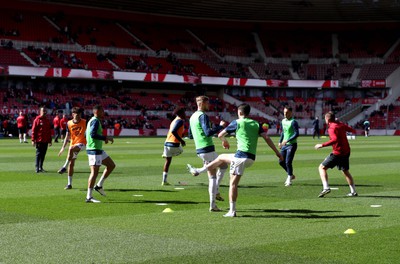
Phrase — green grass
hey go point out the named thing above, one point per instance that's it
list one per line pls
(43, 223)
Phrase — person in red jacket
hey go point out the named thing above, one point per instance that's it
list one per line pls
(41, 138)
(22, 125)
(340, 154)
(5, 127)
(56, 125)
(63, 126)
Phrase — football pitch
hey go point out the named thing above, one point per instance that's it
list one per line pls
(43, 223)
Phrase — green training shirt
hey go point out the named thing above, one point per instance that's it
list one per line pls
(288, 130)
(247, 135)
(93, 143)
(201, 140)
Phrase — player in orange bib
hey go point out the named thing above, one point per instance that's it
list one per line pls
(76, 128)
(174, 142)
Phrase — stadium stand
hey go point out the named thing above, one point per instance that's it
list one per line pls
(128, 45)
(10, 56)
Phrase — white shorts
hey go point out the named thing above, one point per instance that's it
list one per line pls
(239, 164)
(80, 146)
(172, 151)
(97, 160)
(208, 157)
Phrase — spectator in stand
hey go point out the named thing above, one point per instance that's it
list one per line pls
(63, 126)
(41, 138)
(22, 124)
(56, 126)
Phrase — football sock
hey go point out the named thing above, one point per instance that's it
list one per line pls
(89, 193)
(220, 176)
(69, 180)
(164, 176)
(325, 185)
(66, 164)
(212, 190)
(202, 169)
(352, 188)
(101, 181)
(232, 206)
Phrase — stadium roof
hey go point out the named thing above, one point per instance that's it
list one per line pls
(255, 10)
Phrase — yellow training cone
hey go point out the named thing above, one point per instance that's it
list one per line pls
(349, 231)
(167, 210)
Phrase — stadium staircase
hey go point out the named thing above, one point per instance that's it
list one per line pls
(232, 100)
(393, 81)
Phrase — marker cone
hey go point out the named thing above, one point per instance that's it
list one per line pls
(349, 231)
(167, 210)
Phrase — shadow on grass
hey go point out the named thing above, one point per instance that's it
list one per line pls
(78, 172)
(256, 187)
(380, 196)
(312, 216)
(134, 190)
(155, 202)
(242, 186)
(340, 185)
(299, 213)
(294, 211)
(88, 172)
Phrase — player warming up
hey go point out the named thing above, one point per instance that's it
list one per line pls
(76, 129)
(247, 132)
(174, 142)
(96, 155)
(200, 130)
(340, 154)
(288, 143)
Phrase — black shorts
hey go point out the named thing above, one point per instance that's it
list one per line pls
(341, 162)
(22, 130)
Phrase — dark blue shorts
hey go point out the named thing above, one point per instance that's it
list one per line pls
(341, 162)
(22, 130)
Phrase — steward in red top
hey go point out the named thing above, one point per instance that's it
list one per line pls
(41, 138)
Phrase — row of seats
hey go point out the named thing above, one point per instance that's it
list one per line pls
(143, 102)
(106, 32)
(238, 42)
(303, 108)
(382, 119)
(89, 60)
